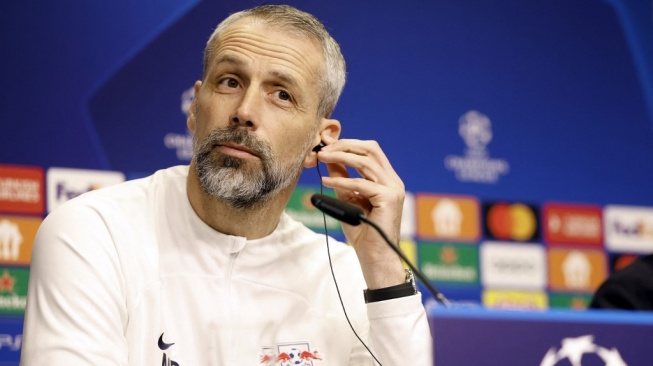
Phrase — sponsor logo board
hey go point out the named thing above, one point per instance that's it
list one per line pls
(22, 190)
(509, 265)
(64, 184)
(572, 224)
(511, 221)
(408, 217)
(505, 299)
(448, 218)
(17, 239)
(569, 300)
(409, 249)
(11, 339)
(301, 209)
(449, 263)
(13, 290)
(576, 269)
(628, 229)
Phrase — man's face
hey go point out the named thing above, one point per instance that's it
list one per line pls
(255, 115)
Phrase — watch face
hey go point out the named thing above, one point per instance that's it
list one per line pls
(411, 278)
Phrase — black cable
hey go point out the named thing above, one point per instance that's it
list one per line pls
(326, 235)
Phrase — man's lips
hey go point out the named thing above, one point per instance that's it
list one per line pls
(236, 150)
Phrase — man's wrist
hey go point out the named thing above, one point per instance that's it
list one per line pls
(407, 288)
(383, 273)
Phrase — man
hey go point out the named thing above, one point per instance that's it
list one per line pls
(199, 265)
(630, 288)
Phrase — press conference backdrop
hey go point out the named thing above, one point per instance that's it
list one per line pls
(521, 129)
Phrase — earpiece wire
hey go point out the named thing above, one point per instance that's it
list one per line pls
(326, 235)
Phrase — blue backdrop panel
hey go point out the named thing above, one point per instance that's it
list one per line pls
(99, 86)
(545, 339)
(11, 340)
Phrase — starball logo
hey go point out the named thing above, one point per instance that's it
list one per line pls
(476, 165)
(574, 351)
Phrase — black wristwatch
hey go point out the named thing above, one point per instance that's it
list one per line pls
(407, 288)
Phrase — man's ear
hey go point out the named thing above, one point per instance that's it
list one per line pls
(328, 127)
(190, 119)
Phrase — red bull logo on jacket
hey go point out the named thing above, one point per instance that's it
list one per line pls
(297, 354)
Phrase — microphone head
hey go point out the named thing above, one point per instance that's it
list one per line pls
(339, 210)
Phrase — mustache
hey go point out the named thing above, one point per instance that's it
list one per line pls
(234, 135)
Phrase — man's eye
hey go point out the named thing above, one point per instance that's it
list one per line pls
(283, 95)
(232, 83)
(229, 82)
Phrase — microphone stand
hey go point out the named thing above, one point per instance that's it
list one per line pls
(436, 294)
(353, 215)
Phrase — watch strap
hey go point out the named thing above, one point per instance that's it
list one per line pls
(407, 288)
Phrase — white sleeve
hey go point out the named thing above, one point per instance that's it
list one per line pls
(399, 332)
(76, 312)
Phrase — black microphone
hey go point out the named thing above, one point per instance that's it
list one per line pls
(339, 210)
(353, 215)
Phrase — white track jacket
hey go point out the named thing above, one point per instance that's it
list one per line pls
(129, 275)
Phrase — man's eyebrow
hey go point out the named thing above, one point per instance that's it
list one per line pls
(229, 59)
(286, 78)
(279, 75)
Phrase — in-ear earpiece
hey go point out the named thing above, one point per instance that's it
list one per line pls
(319, 147)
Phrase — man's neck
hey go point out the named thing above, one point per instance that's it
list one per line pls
(254, 223)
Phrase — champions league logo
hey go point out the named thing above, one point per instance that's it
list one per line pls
(182, 144)
(476, 131)
(576, 350)
(476, 166)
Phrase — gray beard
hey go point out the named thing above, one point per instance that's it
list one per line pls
(239, 183)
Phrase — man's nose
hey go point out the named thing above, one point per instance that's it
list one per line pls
(247, 113)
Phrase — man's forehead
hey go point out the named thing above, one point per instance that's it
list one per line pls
(271, 29)
(245, 40)
(270, 32)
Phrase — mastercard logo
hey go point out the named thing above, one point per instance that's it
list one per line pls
(511, 221)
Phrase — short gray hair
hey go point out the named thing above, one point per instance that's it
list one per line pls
(332, 75)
